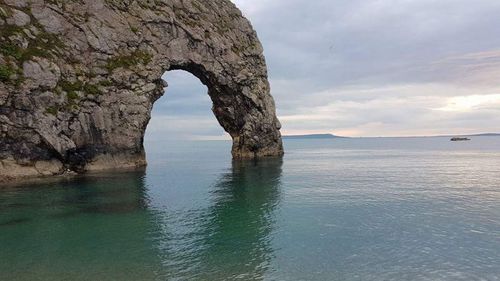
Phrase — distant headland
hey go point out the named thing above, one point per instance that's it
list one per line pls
(332, 136)
(313, 136)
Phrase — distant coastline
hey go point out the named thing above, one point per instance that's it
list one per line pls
(484, 135)
(448, 136)
(331, 136)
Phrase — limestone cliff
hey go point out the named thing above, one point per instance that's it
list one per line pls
(78, 79)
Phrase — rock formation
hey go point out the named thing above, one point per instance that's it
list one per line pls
(78, 79)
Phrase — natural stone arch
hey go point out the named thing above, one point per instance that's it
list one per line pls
(248, 117)
(80, 79)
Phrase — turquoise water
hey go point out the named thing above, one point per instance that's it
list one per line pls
(348, 209)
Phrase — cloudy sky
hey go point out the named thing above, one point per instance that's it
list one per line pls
(362, 68)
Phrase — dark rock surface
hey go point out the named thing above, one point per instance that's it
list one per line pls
(78, 79)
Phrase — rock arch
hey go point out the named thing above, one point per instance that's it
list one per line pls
(78, 79)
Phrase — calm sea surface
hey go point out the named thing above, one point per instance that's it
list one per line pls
(344, 209)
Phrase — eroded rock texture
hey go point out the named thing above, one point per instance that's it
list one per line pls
(78, 79)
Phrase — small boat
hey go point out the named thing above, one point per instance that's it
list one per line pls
(459, 139)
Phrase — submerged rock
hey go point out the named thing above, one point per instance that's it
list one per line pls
(78, 79)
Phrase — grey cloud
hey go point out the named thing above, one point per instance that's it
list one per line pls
(369, 67)
(352, 42)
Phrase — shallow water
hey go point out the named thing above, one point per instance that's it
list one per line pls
(344, 209)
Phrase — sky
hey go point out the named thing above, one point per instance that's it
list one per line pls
(362, 68)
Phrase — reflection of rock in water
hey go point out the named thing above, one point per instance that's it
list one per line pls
(111, 194)
(92, 228)
(97, 193)
(14, 222)
(102, 227)
(240, 223)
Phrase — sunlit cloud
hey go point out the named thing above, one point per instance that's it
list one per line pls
(398, 110)
(468, 103)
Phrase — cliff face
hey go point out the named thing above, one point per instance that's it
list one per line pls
(78, 79)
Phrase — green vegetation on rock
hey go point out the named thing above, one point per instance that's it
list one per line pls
(5, 73)
(128, 61)
(106, 83)
(18, 44)
(72, 89)
(10, 50)
(52, 110)
(43, 44)
(10, 75)
(72, 95)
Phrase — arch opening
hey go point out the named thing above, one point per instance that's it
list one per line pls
(183, 112)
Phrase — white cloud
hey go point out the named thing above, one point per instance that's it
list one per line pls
(406, 110)
(469, 103)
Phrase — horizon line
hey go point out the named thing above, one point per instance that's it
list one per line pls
(411, 136)
(195, 138)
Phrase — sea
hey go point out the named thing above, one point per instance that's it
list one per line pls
(330, 209)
